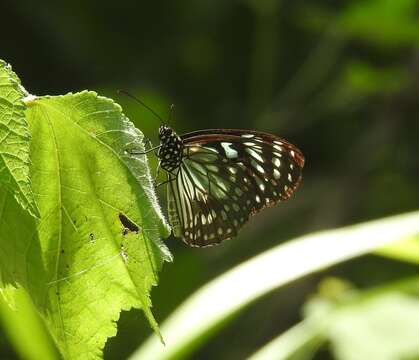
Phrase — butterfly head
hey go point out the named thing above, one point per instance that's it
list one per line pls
(165, 132)
(171, 149)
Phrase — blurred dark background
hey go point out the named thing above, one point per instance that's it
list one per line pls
(336, 78)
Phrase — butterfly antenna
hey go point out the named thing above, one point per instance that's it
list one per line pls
(142, 103)
(172, 108)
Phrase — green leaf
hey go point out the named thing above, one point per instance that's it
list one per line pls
(78, 263)
(211, 306)
(14, 140)
(384, 22)
(298, 343)
(387, 24)
(24, 327)
(381, 323)
(406, 250)
(385, 327)
(366, 79)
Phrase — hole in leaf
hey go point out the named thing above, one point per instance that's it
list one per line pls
(128, 225)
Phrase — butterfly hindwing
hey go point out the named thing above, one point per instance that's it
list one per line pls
(225, 177)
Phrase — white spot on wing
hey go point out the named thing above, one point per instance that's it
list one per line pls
(276, 162)
(230, 153)
(254, 154)
(257, 166)
(212, 168)
(209, 219)
(222, 185)
(194, 149)
(209, 149)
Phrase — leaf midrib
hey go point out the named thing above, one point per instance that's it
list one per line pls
(57, 263)
(125, 165)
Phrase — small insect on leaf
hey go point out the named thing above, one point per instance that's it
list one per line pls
(127, 225)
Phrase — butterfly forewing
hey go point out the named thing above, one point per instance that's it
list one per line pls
(226, 176)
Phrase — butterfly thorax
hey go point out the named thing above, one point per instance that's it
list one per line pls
(171, 149)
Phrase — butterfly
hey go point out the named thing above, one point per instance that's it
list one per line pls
(218, 178)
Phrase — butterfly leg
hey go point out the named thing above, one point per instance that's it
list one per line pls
(150, 146)
(170, 179)
(157, 172)
(148, 142)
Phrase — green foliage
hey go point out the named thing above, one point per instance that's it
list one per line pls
(382, 23)
(336, 78)
(78, 265)
(215, 303)
(24, 326)
(14, 140)
(380, 323)
(377, 326)
(366, 79)
(405, 250)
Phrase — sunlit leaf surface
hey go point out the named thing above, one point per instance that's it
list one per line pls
(24, 327)
(14, 140)
(79, 263)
